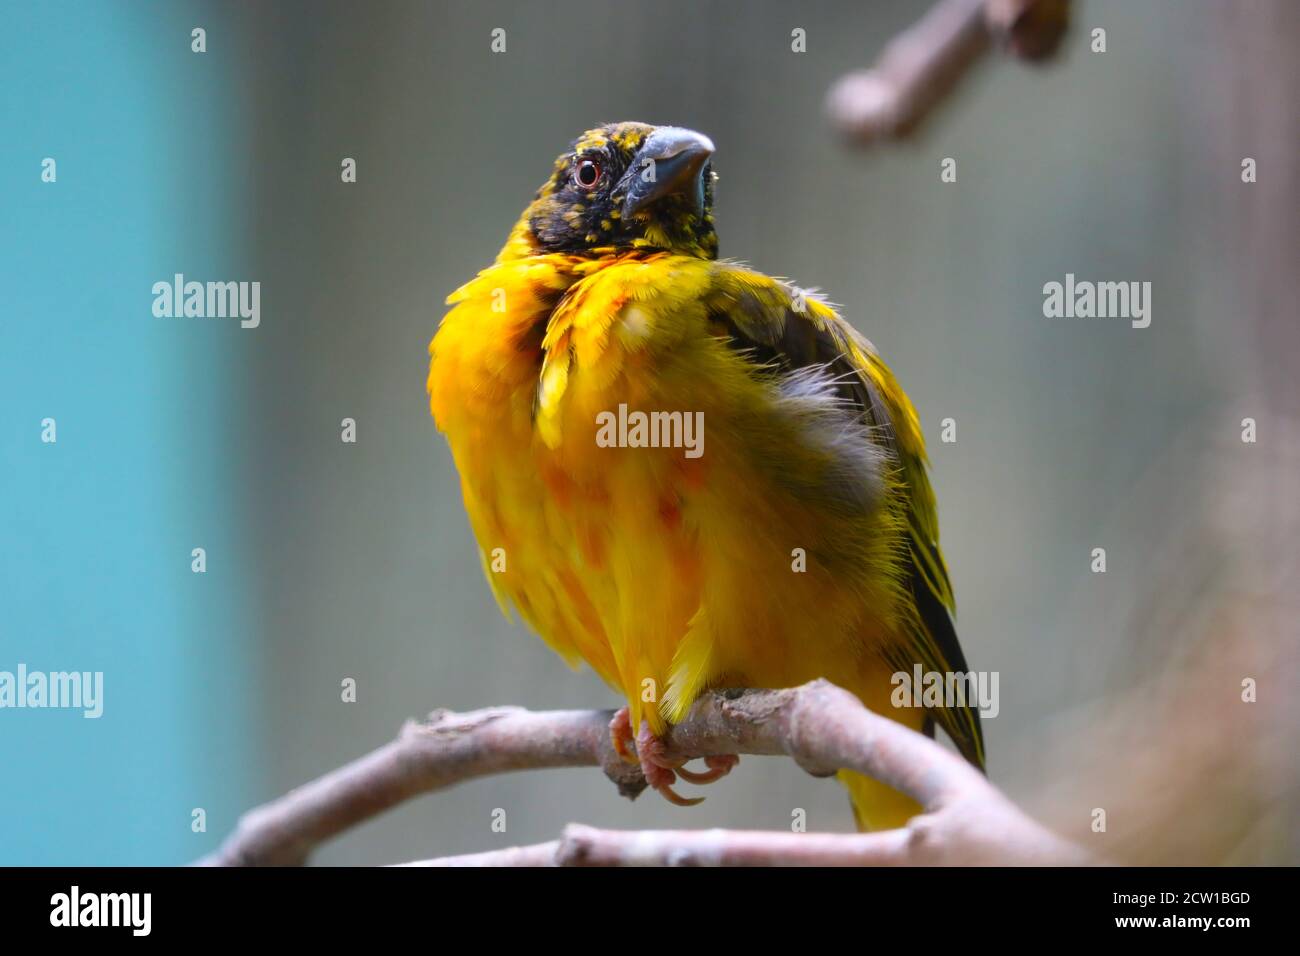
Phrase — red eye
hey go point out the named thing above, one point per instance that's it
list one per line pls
(587, 174)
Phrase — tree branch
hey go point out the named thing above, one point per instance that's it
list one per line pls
(822, 727)
(921, 66)
(975, 832)
(442, 750)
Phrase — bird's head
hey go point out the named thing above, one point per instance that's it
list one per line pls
(625, 187)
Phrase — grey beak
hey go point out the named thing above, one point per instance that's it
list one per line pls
(671, 161)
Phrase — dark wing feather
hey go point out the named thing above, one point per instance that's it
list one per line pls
(759, 316)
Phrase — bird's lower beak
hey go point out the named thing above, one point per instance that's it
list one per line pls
(671, 162)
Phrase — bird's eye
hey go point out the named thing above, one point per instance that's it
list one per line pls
(587, 174)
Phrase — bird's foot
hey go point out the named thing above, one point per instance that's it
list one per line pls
(621, 736)
(659, 769)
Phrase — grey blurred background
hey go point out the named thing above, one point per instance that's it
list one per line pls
(357, 560)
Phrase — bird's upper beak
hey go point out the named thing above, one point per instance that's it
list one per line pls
(670, 161)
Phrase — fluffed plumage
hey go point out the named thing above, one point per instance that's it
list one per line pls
(670, 574)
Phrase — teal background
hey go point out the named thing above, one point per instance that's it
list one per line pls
(96, 530)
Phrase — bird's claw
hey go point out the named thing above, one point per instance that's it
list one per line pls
(661, 771)
(662, 780)
(719, 766)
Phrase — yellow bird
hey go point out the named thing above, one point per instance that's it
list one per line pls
(683, 472)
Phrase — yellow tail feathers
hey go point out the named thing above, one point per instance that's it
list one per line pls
(877, 806)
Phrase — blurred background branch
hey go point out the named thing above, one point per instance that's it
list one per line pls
(921, 66)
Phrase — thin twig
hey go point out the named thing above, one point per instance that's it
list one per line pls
(587, 846)
(975, 832)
